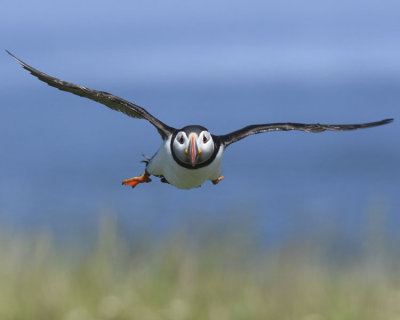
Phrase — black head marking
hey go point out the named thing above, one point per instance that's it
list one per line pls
(195, 129)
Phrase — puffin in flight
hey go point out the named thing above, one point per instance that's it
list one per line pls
(189, 156)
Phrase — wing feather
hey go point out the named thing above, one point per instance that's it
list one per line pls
(102, 97)
(237, 135)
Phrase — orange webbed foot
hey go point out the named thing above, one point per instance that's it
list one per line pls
(133, 182)
(217, 180)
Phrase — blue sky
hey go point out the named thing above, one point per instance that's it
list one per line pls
(193, 40)
(223, 64)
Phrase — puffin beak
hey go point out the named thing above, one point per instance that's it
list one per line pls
(193, 150)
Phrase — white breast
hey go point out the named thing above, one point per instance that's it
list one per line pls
(164, 164)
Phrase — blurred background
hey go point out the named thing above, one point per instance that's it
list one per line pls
(303, 225)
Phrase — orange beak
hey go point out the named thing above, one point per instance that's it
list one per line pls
(193, 150)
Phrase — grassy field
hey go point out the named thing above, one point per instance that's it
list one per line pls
(220, 277)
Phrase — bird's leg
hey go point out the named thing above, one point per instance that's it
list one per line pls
(217, 180)
(133, 182)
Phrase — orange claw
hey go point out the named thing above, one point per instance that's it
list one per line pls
(133, 182)
(217, 180)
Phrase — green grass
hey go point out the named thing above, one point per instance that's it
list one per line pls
(221, 277)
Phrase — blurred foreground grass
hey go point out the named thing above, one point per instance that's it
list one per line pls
(220, 277)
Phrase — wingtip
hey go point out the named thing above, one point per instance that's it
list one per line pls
(386, 121)
(23, 64)
(9, 53)
(382, 122)
(13, 56)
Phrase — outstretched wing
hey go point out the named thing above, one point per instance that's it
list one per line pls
(234, 136)
(105, 98)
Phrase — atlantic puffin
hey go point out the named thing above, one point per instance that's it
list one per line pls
(189, 156)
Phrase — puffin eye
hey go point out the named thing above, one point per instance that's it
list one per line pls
(180, 140)
(205, 139)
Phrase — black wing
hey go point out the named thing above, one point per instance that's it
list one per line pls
(234, 136)
(105, 98)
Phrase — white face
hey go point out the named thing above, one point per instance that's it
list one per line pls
(193, 149)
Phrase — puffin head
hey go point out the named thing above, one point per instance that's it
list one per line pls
(192, 146)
